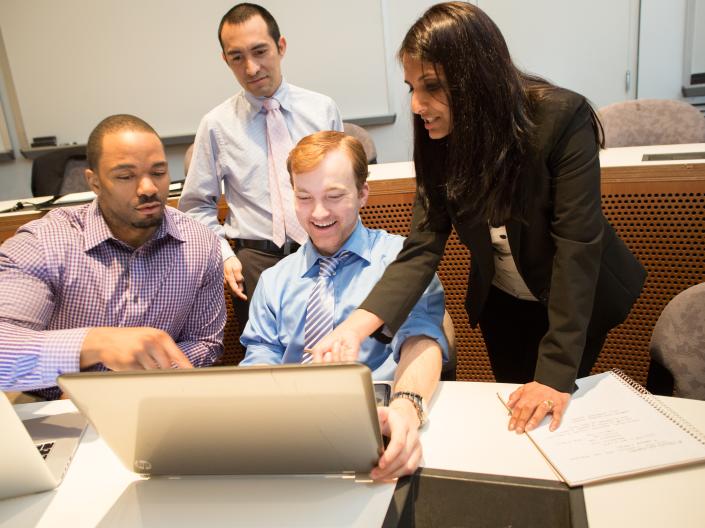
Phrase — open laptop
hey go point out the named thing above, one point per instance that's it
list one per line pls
(289, 419)
(35, 453)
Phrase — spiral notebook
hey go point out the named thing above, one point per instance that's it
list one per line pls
(614, 428)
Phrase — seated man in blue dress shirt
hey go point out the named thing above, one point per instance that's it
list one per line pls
(329, 172)
(122, 283)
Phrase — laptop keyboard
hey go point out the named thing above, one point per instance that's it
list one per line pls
(44, 448)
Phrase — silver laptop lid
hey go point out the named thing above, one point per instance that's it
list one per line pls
(290, 419)
(23, 470)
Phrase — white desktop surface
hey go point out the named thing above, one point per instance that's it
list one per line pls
(99, 491)
(453, 439)
(633, 156)
(611, 157)
(391, 171)
(27, 202)
(673, 497)
(466, 432)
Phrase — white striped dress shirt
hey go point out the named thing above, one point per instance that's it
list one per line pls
(231, 149)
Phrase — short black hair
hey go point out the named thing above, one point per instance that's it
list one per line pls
(109, 125)
(242, 13)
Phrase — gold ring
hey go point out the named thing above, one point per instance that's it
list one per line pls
(549, 404)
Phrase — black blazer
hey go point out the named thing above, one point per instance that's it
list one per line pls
(565, 250)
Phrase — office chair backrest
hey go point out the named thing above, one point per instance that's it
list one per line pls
(60, 172)
(74, 177)
(364, 137)
(678, 342)
(652, 122)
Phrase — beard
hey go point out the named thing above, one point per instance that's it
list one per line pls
(149, 222)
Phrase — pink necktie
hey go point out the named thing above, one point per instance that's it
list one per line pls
(279, 143)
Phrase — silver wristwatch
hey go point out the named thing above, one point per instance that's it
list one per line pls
(416, 400)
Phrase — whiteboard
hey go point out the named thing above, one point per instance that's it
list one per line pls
(73, 62)
(590, 47)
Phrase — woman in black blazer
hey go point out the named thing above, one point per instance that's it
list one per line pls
(512, 162)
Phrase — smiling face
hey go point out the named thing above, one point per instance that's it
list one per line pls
(132, 184)
(253, 56)
(328, 201)
(429, 99)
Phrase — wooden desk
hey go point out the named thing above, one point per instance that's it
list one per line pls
(466, 432)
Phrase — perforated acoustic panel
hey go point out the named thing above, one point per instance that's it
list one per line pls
(233, 351)
(391, 211)
(658, 211)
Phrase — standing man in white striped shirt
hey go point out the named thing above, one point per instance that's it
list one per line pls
(240, 145)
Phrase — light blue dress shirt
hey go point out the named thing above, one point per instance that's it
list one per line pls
(230, 150)
(275, 331)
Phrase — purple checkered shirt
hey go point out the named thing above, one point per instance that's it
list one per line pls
(65, 273)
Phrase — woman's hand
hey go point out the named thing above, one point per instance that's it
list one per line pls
(531, 402)
(343, 343)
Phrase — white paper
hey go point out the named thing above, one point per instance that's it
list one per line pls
(609, 430)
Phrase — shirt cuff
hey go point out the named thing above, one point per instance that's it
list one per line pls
(61, 353)
(225, 249)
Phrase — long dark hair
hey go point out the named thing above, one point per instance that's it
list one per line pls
(477, 168)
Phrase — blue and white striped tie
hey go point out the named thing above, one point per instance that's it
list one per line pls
(321, 303)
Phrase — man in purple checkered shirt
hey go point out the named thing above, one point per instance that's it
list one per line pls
(122, 283)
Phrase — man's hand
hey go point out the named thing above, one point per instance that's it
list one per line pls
(400, 423)
(131, 349)
(232, 271)
(531, 402)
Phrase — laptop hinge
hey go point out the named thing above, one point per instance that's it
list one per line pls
(362, 478)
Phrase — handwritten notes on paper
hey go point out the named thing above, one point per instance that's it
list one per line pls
(611, 429)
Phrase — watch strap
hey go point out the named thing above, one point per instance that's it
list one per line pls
(417, 402)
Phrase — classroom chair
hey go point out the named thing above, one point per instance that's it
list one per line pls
(677, 347)
(364, 137)
(59, 172)
(651, 122)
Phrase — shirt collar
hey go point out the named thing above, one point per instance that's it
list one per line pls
(97, 231)
(281, 95)
(357, 243)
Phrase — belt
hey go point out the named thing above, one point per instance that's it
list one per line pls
(268, 246)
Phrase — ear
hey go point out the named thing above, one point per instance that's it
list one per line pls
(364, 194)
(282, 46)
(225, 59)
(93, 181)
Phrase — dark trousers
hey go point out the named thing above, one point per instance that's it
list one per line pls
(254, 262)
(513, 328)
